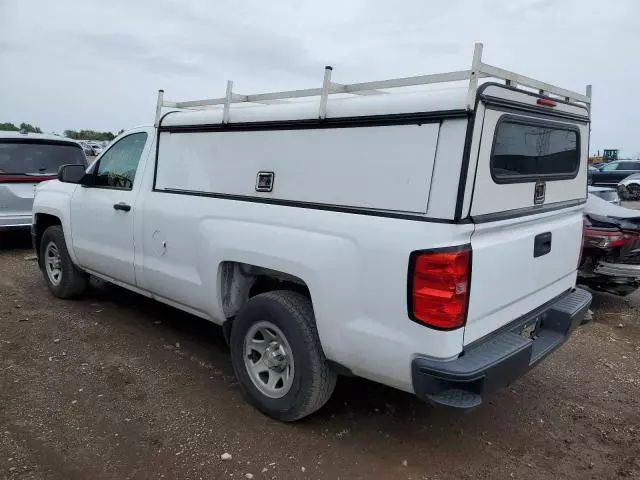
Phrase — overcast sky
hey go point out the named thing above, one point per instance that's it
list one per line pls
(98, 64)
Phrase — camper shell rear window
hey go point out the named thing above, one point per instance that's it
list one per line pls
(529, 150)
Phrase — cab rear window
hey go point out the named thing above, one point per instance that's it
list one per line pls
(531, 150)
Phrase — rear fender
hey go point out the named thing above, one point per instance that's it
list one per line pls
(327, 264)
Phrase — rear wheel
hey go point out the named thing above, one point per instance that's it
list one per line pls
(277, 356)
(62, 276)
(634, 191)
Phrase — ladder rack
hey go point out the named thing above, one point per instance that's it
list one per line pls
(477, 71)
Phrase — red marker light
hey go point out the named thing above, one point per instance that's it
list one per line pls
(545, 102)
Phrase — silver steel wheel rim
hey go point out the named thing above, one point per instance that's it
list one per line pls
(53, 263)
(268, 359)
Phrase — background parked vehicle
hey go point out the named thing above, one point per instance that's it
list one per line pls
(629, 188)
(97, 148)
(88, 149)
(613, 172)
(611, 248)
(606, 193)
(25, 161)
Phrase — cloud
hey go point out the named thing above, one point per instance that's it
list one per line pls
(99, 64)
(123, 50)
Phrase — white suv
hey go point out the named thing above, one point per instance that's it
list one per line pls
(26, 159)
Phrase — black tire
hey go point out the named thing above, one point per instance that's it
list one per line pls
(634, 191)
(73, 282)
(622, 192)
(313, 379)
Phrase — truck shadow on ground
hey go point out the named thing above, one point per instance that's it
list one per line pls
(358, 411)
(355, 400)
(15, 240)
(353, 396)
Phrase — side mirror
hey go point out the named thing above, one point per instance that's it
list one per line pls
(71, 173)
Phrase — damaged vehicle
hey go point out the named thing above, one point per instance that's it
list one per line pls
(611, 248)
(606, 193)
(629, 188)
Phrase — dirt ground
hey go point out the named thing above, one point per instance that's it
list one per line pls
(117, 386)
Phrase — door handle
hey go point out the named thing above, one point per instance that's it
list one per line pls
(122, 206)
(542, 244)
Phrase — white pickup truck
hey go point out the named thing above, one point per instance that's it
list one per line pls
(427, 240)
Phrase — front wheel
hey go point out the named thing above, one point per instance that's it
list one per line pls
(277, 356)
(634, 191)
(62, 276)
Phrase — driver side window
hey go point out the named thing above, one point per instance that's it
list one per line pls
(118, 165)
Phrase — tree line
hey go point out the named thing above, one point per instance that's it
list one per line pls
(73, 134)
(90, 135)
(27, 127)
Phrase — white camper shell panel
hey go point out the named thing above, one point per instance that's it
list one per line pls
(377, 167)
(491, 197)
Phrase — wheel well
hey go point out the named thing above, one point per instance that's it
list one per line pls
(241, 281)
(267, 283)
(42, 221)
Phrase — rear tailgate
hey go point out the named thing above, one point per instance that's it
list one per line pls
(530, 186)
(25, 161)
(16, 195)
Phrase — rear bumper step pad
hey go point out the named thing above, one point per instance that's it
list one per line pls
(501, 358)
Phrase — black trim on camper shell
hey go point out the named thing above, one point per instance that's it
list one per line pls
(526, 211)
(417, 118)
(464, 167)
(540, 112)
(311, 205)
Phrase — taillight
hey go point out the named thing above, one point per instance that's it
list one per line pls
(604, 238)
(439, 283)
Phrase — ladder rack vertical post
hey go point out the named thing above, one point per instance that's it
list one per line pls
(589, 93)
(476, 65)
(326, 88)
(159, 107)
(227, 103)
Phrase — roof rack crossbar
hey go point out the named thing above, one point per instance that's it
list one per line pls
(478, 70)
